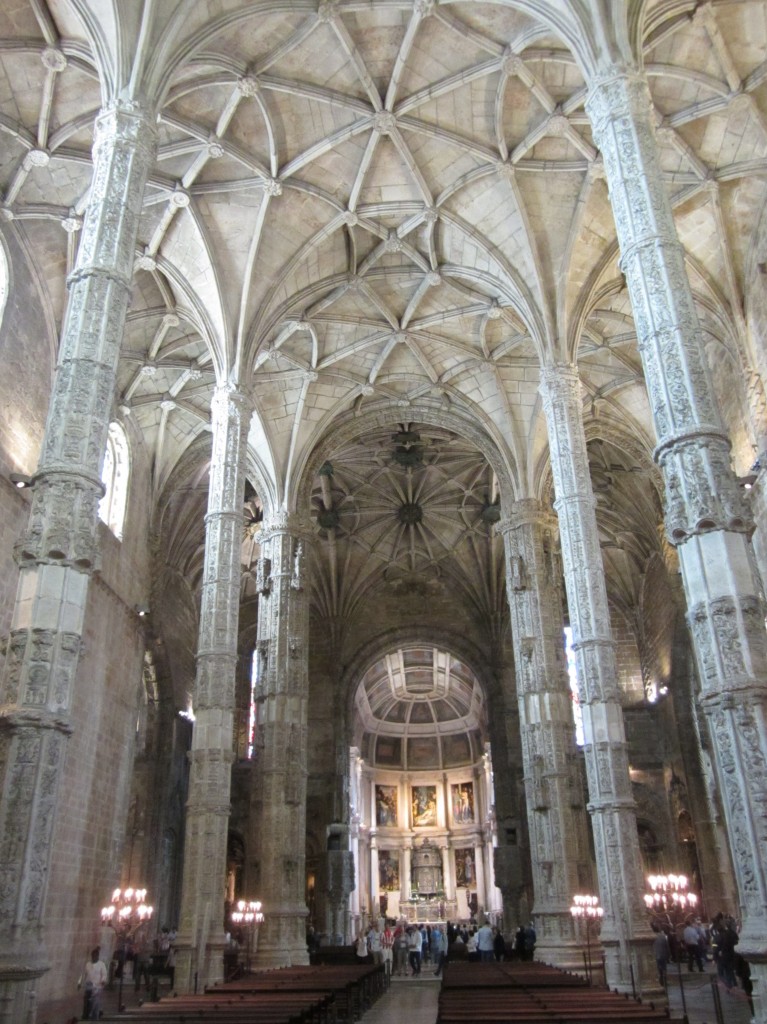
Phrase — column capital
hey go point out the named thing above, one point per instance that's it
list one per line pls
(126, 121)
(560, 380)
(527, 512)
(284, 522)
(229, 396)
(614, 91)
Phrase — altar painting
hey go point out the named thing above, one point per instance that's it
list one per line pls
(388, 870)
(463, 803)
(386, 805)
(424, 806)
(465, 868)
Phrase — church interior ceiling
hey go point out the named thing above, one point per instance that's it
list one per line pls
(389, 214)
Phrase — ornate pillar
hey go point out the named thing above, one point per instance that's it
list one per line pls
(555, 807)
(375, 892)
(626, 935)
(479, 867)
(706, 516)
(279, 834)
(201, 933)
(407, 883)
(447, 878)
(60, 548)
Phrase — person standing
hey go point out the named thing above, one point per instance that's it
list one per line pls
(438, 949)
(374, 943)
(661, 952)
(485, 943)
(362, 948)
(400, 951)
(727, 941)
(530, 939)
(499, 945)
(142, 961)
(691, 939)
(93, 980)
(387, 948)
(414, 949)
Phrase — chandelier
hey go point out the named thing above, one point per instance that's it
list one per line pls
(586, 906)
(669, 892)
(126, 913)
(248, 913)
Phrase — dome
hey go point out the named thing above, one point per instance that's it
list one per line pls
(419, 708)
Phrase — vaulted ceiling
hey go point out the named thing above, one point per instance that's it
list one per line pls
(390, 208)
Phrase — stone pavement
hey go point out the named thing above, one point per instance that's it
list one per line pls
(699, 998)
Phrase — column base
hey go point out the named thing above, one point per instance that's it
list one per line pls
(630, 968)
(18, 990)
(282, 940)
(572, 956)
(196, 970)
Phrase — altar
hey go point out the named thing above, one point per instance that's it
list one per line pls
(428, 910)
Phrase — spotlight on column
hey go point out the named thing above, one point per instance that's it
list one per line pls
(142, 610)
(20, 481)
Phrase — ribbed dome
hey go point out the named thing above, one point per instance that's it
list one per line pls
(420, 708)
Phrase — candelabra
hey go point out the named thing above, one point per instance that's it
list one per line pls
(248, 913)
(126, 913)
(586, 908)
(669, 897)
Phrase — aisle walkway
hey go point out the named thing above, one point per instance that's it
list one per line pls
(408, 1001)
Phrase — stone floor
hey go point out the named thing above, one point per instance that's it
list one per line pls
(699, 998)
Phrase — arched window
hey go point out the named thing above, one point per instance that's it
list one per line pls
(114, 476)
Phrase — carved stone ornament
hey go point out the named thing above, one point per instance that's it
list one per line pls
(248, 85)
(53, 59)
(384, 121)
(272, 187)
(393, 242)
(263, 575)
(327, 11)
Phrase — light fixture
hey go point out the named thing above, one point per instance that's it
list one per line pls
(126, 913)
(142, 610)
(248, 913)
(669, 893)
(20, 480)
(587, 908)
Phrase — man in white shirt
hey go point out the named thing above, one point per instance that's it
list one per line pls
(414, 949)
(93, 980)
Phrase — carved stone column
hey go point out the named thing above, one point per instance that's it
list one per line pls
(626, 935)
(555, 804)
(706, 516)
(479, 867)
(201, 935)
(60, 548)
(282, 689)
(447, 875)
(407, 880)
(375, 891)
